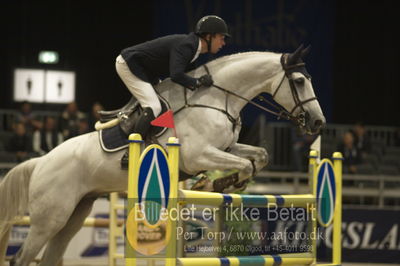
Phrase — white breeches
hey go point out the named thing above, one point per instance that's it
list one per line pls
(143, 91)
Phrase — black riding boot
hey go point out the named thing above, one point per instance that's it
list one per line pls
(142, 127)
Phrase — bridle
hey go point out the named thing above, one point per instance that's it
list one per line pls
(289, 69)
(279, 112)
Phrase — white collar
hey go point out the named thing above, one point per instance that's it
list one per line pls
(197, 52)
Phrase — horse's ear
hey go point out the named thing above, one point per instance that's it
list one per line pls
(305, 51)
(294, 57)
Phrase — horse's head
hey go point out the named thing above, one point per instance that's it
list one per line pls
(294, 91)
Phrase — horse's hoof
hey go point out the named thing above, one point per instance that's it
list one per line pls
(203, 184)
(237, 187)
(241, 184)
(225, 182)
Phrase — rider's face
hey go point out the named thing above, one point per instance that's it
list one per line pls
(217, 42)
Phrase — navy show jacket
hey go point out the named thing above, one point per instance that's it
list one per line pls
(162, 57)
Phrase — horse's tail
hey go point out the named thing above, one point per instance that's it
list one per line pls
(13, 199)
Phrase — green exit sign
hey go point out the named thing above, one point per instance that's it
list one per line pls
(48, 57)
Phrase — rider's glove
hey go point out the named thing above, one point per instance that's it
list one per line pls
(205, 80)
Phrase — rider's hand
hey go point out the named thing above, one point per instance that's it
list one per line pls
(205, 80)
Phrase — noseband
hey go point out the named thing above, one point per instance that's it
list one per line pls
(289, 69)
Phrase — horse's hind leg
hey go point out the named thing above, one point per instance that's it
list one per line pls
(58, 244)
(38, 235)
(48, 217)
(3, 244)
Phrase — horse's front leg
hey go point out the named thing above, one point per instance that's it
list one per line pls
(258, 155)
(212, 158)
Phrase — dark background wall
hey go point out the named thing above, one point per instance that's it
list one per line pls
(366, 62)
(87, 34)
(354, 57)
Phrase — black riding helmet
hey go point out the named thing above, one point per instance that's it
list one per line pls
(211, 25)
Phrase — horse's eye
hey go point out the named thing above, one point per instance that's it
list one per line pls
(299, 81)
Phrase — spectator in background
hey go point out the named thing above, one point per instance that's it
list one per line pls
(397, 138)
(361, 140)
(2, 148)
(70, 120)
(94, 115)
(47, 138)
(20, 143)
(301, 149)
(352, 156)
(26, 117)
(82, 128)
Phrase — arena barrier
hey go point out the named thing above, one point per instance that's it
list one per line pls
(153, 179)
(89, 222)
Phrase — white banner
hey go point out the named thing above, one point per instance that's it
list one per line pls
(60, 86)
(29, 85)
(38, 86)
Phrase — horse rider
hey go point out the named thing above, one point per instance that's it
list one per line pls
(141, 66)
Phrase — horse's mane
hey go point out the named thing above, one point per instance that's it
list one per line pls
(216, 63)
(165, 88)
(238, 56)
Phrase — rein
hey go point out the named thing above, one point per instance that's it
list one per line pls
(233, 120)
(280, 113)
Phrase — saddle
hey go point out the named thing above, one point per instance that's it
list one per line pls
(114, 126)
(127, 115)
(106, 116)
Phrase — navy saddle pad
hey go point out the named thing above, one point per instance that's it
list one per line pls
(113, 139)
